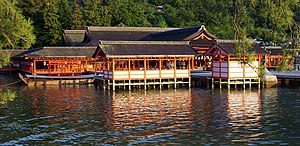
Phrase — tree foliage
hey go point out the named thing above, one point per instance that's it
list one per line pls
(273, 21)
(16, 32)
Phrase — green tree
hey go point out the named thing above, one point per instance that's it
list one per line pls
(77, 20)
(15, 31)
(91, 12)
(29, 7)
(49, 29)
(65, 14)
(105, 15)
(128, 13)
(242, 23)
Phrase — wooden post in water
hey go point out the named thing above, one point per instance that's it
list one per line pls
(212, 83)
(175, 72)
(228, 84)
(160, 65)
(113, 83)
(129, 84)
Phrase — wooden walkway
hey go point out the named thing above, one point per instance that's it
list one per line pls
(204, 78)
(286, 75)
(288, 78)
(279, 75)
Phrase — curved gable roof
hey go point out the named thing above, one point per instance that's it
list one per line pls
(190, 33)
(145, 49)
(58, 52)
(228, 47)
(119, 33)
(74, 37)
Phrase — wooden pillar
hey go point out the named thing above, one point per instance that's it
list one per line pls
(175, 72)
(159, 73)
(193, 61)
(113, 74)
(119, 64)
(212, 83)
(228, 84)
(244, 65)
(114, 87)
(129, 81)
(189, 69)
(212, 65)
(86, 65)
(129, 68)
(258, 83)
(220, 67)
(228, 67)
(145, 73)
(259, 61)
(34, 67)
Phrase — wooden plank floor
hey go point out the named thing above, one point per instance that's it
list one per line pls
(286, 75)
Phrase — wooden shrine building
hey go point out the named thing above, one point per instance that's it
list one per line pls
(142, 63)
(200, 39)
(56, 61)
(275, 56)
(228, 69)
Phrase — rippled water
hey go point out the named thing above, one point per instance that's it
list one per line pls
(85, 115)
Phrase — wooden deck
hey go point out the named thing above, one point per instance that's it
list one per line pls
(286, 75)
(201, 74)
(288, 78)
(204, 78)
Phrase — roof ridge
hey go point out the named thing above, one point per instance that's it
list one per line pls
(67, 47)
(221, 41)
(175, 30)
(145, 29)
(144, 42)
(272, 47)
(73, 31)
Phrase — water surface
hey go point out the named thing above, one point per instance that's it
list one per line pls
(86, 115)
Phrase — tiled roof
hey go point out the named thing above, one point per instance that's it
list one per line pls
(119, 33)
(13, 52)
(58, 52)
(179, 34)
(145, 49)
(229, 47)
(275, 50)
(74, 37)
(202, 43)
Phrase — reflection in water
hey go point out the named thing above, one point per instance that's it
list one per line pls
(63, 103)
(244, 113)
(88, 116)
(150, 115)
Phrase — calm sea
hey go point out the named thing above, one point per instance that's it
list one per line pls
(88, 116)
